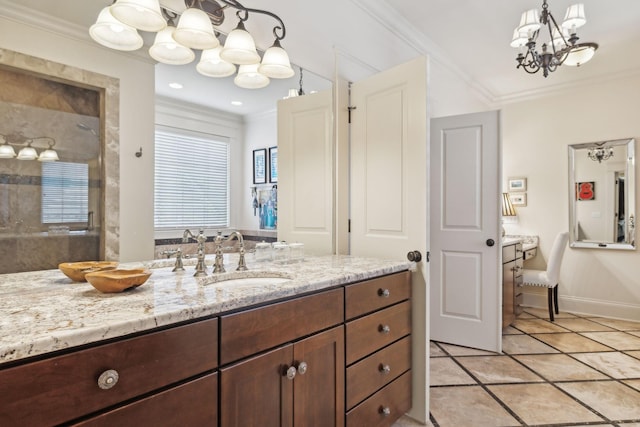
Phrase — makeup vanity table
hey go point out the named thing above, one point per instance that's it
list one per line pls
(515, 250)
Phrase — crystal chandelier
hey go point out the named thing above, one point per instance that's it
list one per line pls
(599, 154)
(117, 28)
(561, 46)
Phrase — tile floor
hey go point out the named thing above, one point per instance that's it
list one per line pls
(576, 371)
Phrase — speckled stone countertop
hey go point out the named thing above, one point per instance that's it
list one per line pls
(45, 311)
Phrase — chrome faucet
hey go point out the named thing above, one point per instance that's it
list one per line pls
(201, 268)
(178, 254)
(218, 266)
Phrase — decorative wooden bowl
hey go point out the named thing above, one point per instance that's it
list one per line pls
(109, 281)
(77, 270)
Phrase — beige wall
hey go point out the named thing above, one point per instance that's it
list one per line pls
(136, 118)
(536, 134)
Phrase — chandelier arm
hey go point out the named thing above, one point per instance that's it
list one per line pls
(279, 31)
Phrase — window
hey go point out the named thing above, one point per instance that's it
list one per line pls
(191, 180)
(65, 192)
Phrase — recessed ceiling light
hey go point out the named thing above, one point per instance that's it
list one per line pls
(236, 103)
(175, 85)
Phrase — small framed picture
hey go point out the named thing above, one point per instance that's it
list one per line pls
(273, 164)
(517, 184)
(586, 190)
(518, 199)
(260, 166)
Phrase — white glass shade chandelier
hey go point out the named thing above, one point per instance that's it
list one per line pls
(599, 154)
(562, 45)
(27, 152)
(117, 28)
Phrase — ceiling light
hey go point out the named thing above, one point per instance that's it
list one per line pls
(236, 103)
(110, 32)
(601, 153)
(249, 78)
(28, 153)
(561, 49)
(7, 151)
(175, 85)
(168, 51)
(198, 19)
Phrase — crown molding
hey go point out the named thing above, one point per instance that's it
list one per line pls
(37, 19)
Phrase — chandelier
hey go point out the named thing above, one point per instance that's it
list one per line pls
(599, 154)
(561, 46)
(118, 24)
(28, 152)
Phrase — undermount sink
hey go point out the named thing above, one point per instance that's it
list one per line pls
(247, 278)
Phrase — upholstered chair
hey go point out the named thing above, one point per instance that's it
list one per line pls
(550, 277)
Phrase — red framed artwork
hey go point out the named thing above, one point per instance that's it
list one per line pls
(586, 190)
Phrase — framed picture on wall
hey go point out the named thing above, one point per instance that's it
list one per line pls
(518, 199)
(273, 164)
(260, 166)
(517, 184)
(586, 190)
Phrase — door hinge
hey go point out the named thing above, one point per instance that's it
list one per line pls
(350, 109)
(428, 255)
(348, 226)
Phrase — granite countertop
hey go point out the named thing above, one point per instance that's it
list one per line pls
(45, 311)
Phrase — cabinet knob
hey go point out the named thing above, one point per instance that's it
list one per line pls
(383, 293)
(291, 372)
(385, 369)
(108, 379)
(302, 368)
(384, 329)
(385, 411)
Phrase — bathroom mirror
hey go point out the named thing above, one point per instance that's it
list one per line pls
(602, 194)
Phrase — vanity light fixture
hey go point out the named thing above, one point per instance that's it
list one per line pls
(507, 209)
(28, 152)
(117, 28)
(561, 46)
(599, 154)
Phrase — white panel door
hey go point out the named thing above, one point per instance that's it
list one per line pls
(305, 172)
(465, 275)
(389, 189)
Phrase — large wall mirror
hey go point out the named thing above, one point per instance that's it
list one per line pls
(602, 194)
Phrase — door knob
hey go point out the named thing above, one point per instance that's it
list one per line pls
(414, 256)
(490, 242)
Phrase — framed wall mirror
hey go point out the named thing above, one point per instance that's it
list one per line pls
(602, 194)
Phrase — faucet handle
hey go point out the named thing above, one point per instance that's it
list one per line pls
(242, 266)
(178, 266)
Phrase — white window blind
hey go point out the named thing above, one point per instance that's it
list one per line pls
(65, 192)
(191, 180)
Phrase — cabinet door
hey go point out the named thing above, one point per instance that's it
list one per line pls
(319, 383)
(508, 294)
(256, 392)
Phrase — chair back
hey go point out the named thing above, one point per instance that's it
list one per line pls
(555, 258)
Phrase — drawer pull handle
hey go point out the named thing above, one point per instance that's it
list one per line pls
(384, 293)
(291, 372)
(384, 369)
(108, 379)
(384, 329)
(385, 411)
(302, 368)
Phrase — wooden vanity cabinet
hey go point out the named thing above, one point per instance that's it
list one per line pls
(512, 265)
(80, 383)
(378, 350)
(299, 383)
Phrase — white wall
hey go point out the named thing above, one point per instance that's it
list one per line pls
(136, 77)
(536, 134)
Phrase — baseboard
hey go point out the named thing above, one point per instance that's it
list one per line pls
(585, 306)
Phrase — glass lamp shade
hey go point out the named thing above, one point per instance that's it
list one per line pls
(110, 32)
(580, 54)
(195, 30)
(27, 153)
(529, 21)
(7, 152)
(168, 51)
(48, 155)
(239, 48)
(574, 18)
(275, 63)
(507, 206)
(519, 39)
(212, 65)
(249, 78)
(144, 15)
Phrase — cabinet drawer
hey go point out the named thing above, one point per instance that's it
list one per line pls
(508, 253)
(252, 331)
(385, 407)
(369, 375)
(377, 330)
(192, 404)
(518, 268)
(66, 387)
(375, 294)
